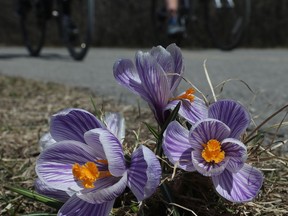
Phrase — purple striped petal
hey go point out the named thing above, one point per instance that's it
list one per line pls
(233, 114)
(77, 207)
(45, 141)
(42, 188)
(205, 168)
(71, 124)
(163, 58)
(178, 66)
(113, 151)
(242, 186)
(116, 124)
(93, 140)
(176, 146)
(205, 130)
(107, 191)
(54, 165)
(237, 153)
(191, 111)
(126, 75)
(144, 173)
(154, 80)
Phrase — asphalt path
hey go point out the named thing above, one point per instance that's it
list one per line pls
(265, 71)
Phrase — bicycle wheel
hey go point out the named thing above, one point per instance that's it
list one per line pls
(78, 26)
(33, 25)
(226, 21)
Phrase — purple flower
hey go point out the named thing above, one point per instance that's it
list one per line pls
(213, 148)
(87, 162)
(155, 77)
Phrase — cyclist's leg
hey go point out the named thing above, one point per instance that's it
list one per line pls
(174, 26)
(22, 6)
(66, 7)
(67, 19)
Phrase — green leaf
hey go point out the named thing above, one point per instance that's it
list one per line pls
(169, 198)
(134, 208)
(152, 130)
(54, 203)
(40, 214)
(97, 113)
(173, 115)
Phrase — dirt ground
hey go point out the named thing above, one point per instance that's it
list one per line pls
(25, 108)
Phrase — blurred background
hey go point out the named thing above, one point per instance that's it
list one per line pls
(120, 23)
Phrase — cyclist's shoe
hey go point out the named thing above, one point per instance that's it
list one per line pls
(174, 27)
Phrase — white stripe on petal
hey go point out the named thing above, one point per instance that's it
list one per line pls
(77, 207)
(242, 186)
(144, 174)
(176, 146)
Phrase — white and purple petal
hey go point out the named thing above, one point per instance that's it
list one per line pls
(42, 188)
(113, 151)
(144, 173)
(45, 141)
(153, 79)
(54, 165)
(71, 124)
(176, 146)
(116, 124)
(191, 111)
(178, 66)
(163, 58)
(205, 130)
(236, 151)
(77, 207)
(233, 114)
(242, 186)
(106, 189)
(92, 139)
(207, 168)
(126, 75)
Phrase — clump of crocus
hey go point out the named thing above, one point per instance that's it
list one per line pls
(212, 147)
(87, 162)
(155, 77)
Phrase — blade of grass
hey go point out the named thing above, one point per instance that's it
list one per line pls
(166, 191)
(209, 80)
(40, 214)
(54, 203)
(265, 121)
(152, 130)
(171, 117)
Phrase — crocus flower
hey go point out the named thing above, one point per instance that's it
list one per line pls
(113, 121)
(213, 148)
(155, 77)
(87, 162)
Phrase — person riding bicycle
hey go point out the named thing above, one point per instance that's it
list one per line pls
(174, 26)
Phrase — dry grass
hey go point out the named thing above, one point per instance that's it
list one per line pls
(25, 107)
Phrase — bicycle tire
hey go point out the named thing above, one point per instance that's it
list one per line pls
(81, 13)
(33, 27)
(227, 22)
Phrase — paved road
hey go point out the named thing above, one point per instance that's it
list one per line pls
(265, 71)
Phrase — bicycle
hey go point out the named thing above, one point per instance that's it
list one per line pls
(75, 19)
(225, 20)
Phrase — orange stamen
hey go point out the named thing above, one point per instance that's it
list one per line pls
(187, 95)
(89, 173)
(212, 151)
